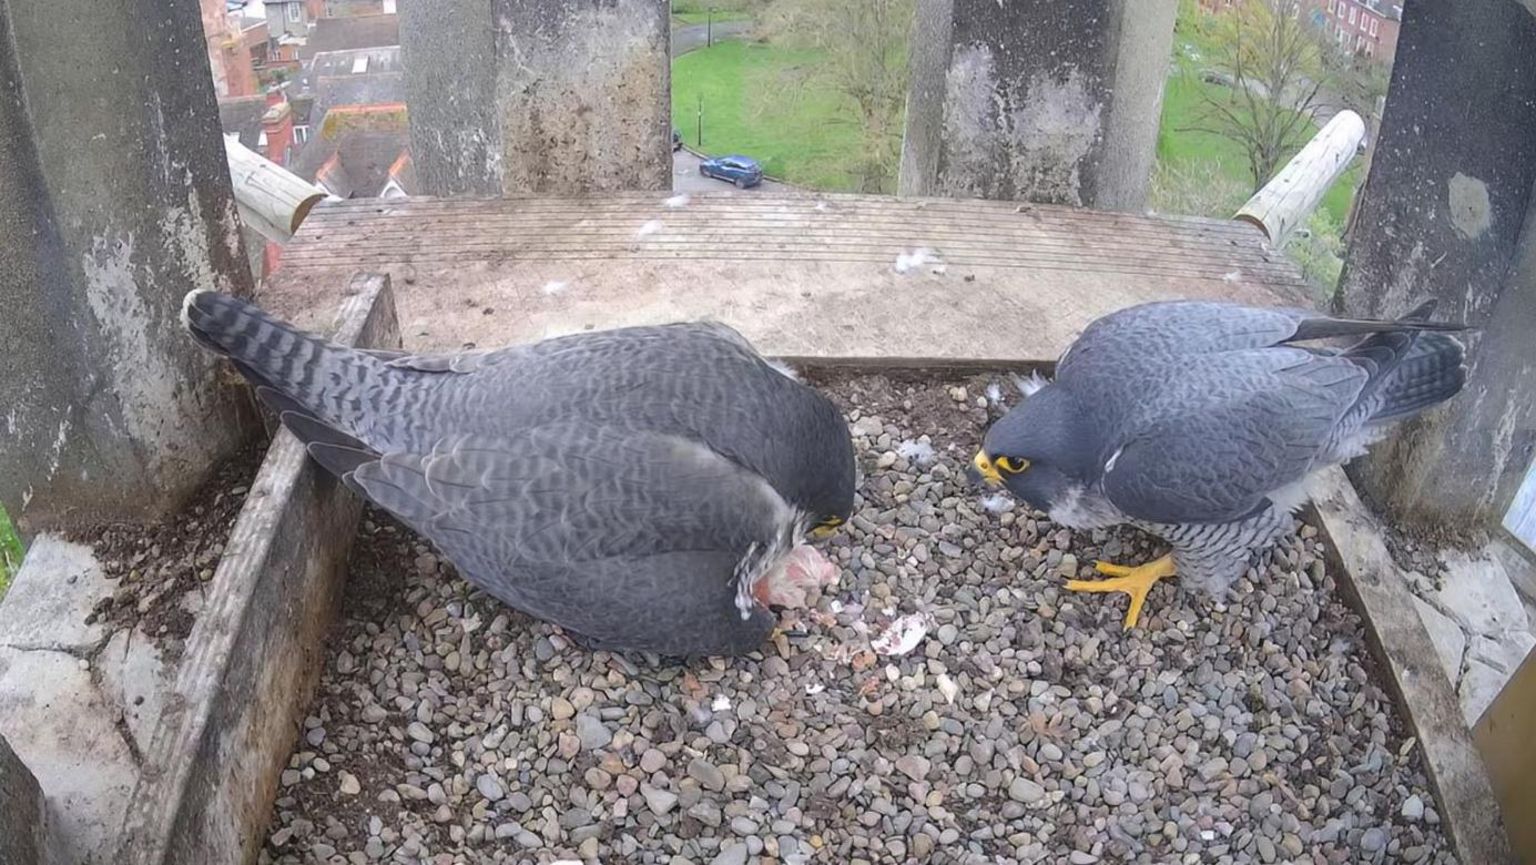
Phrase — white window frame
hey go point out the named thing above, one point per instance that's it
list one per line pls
(292, 10)
(301, 133)
(1333, 5)
(1354, 15)
(1375, 25)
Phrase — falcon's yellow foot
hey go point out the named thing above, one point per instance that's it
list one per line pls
(1135, 581)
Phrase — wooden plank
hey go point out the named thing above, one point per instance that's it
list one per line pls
(251, 662)
(1503, 736)
(802, 275)
(1377, 589)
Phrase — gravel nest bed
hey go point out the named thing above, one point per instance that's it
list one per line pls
(1025, 727)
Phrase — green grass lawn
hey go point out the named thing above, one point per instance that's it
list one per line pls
(755, 104)
(1180, 146)
(10, 551)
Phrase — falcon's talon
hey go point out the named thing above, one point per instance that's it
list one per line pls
(1134, 580)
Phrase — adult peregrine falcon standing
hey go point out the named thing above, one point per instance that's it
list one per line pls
(1199, 422)
(647, 488)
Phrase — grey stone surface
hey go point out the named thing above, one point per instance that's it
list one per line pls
(1402, 645)
(47, 605)
(1036, 100)
(114, 201)
(1476, 592)
(215, 758)
(1479, 686)
(23, 812)
(1448, 214)
(560, 96)
(1449, 640)
(1503, 652)
(77, 702)
(64, 728)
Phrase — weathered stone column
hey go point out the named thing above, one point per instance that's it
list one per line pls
(114, 201)
(552, 96)
(1036, 99)
(1449, 212)
(22, 811)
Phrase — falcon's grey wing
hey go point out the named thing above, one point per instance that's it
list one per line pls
(1227, 433)
(633, 540)
(1169, 329)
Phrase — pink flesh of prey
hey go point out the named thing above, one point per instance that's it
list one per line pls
(789, 584)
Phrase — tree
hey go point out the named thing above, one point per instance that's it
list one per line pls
(1273, 68)
(865, 46)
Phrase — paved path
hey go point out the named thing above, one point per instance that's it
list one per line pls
(693, 36)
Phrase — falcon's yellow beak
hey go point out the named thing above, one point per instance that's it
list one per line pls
(986, 470)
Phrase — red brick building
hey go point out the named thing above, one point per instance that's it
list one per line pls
(1365, 28)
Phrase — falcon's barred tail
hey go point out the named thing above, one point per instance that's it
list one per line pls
(1430, 372)
(308, 374)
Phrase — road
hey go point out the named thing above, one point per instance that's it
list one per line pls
(686, 178)
(693, 36)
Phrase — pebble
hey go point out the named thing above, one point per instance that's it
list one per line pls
(1373, 840)
(592, 732)
(490, 787)
(652, 761)
(707, 774)
(561, 709)
(658, 800)
(1026, 727)
(1026, 791)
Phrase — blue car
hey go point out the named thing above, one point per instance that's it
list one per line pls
(740, 170)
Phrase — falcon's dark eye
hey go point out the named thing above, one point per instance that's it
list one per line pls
(1011, 465)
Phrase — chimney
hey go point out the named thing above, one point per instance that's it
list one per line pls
(277, 126)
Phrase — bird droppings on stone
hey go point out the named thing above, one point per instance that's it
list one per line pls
(554, 287)
(677, 200)
(919, 260)
(1043, 687)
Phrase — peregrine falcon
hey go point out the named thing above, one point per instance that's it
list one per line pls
(646, 488)
(1200, 422)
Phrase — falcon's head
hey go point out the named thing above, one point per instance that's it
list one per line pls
(1038, 451)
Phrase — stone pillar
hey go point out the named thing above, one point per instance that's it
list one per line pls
(1036, 99)
(114, 201)
(541, 96)
(1449, 212)
(22, 811)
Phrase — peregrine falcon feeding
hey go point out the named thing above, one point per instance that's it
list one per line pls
(647, 488)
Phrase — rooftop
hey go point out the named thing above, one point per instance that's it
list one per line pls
(351, 33)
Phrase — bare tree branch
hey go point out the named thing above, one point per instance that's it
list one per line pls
(1275, 67)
